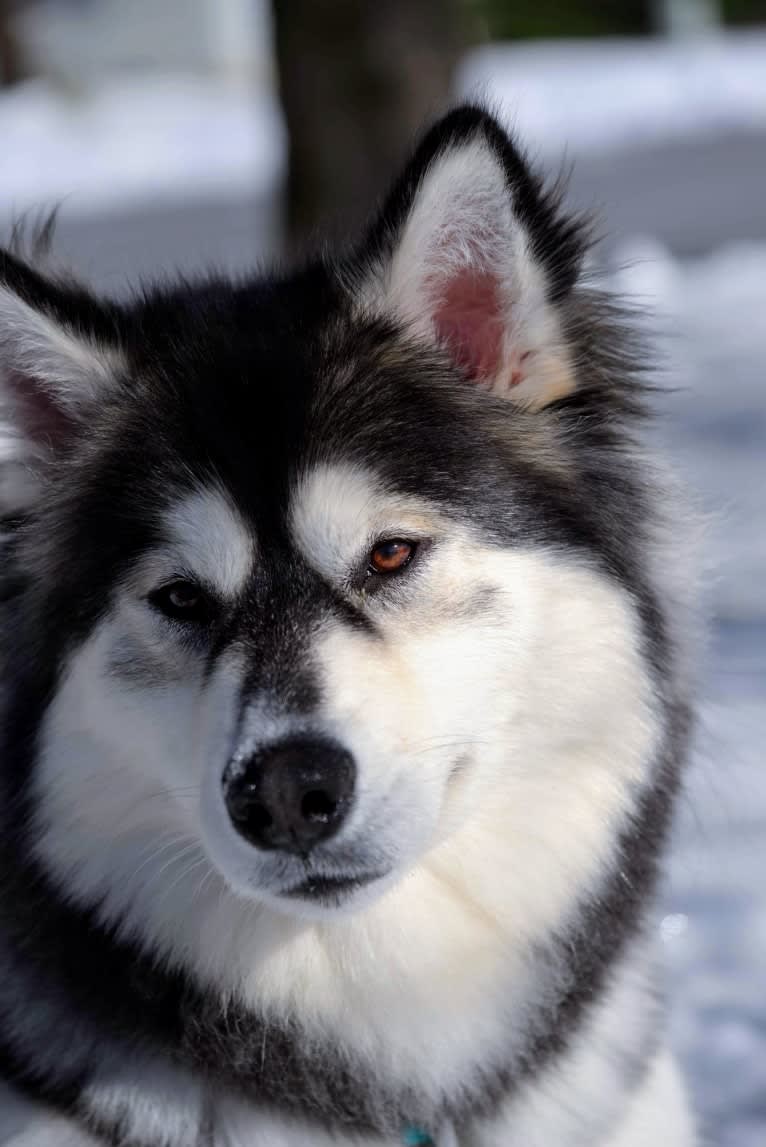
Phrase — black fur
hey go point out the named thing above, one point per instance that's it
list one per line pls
(284, 358)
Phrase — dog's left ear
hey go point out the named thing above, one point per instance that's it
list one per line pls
(59, 358)
(58, 354)
(471, 254)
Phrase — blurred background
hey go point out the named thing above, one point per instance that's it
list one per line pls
(179, 134)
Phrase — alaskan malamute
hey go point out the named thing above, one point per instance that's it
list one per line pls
(344, 698)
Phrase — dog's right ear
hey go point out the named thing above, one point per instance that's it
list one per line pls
(59, 351)
(471, 254)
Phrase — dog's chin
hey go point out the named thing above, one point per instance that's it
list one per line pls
(296, 888)
(339, 882)
(310, 895)
(320, 897)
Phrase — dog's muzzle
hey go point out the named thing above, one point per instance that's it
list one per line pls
(291, 795)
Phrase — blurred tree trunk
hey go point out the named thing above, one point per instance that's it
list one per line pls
(11, 66)
(358, 79)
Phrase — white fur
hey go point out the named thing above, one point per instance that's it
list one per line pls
(237, 1126)
(575, 1097)
(579, 1098)
(50, 1131)
(210, 539)
(659, 1111)
(462, 217)
(151, 1102)
(543, 700)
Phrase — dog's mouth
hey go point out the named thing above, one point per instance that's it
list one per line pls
(330, 889)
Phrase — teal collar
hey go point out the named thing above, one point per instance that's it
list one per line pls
(414, 1137)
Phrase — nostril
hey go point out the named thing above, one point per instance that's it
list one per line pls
(259, 818)
(317, 805)
(246, 809)
(293, 794)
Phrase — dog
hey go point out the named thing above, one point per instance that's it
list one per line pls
(346, 692)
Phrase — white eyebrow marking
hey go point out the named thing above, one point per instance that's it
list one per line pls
(212, 540)
(333, 510)
(337, 508)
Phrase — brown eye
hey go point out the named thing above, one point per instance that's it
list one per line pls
(183, 601)
(391, 556)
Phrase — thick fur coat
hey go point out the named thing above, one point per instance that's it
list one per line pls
(386, 517)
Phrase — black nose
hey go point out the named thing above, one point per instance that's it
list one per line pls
(293, 794)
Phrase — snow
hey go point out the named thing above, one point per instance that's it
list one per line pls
(707, 317)
(135, 139)
(593, 95)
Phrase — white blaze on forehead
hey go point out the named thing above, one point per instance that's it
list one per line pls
(211, 539)
(338, 508)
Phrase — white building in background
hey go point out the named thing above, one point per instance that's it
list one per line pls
(81, 40)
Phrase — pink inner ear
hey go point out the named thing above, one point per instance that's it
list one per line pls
(469, 319)
(40, 419)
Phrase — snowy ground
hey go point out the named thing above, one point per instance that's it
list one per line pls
(714, 926)
(673, 141)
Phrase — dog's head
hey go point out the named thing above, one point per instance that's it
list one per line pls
(332, 575)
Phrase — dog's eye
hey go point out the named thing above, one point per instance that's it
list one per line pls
(183, 601)
(391, 555)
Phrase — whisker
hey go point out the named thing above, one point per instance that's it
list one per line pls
(440, 746)
(206, 879)
(159, 849)
(182, 876)
(190, 848)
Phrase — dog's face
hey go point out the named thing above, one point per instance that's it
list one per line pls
(312, 573)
